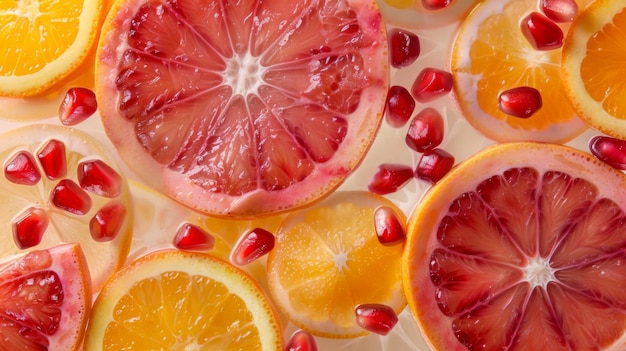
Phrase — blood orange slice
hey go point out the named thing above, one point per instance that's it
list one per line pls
(521, 248)
(45, 299)
(247, 108)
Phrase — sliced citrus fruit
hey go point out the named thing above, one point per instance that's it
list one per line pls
(521, 248)
(592, 52)
(46, 299)
(267, 107)
(59, 185)
(187, 301)
(413, 14)
(44, 41)
(491, 55)
(327, 260)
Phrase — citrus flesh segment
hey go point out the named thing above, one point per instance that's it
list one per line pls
(44, 41)
(520, 248)
(593, 51)
(67, 204)
(327, 260)
(266, 108)
(412, 13)
(490, 55)
(46, 298)
(186, 301)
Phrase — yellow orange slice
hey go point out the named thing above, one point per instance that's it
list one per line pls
(593, 52)
(521, 247)
(178, 300)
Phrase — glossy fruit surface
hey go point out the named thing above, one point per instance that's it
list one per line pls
(185, 300)
(520, 248)
(253, 117)
(46, 299)
(590, 66)
(425, 14)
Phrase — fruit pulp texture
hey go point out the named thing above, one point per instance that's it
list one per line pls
(533, 261)
(230, 95)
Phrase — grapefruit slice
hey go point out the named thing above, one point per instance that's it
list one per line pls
(265, 107)
(46, 298)
(521, 248)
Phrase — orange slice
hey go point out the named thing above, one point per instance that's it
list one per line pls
(521, 247)
(32, 217)
(44, 41)
(412, 14)
(490, 55)
(592, 52)
(46, 299)
(327, 260)
(178, 300)
(265, 108)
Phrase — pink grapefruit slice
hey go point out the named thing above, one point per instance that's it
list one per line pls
(521, 247)
(245, 108)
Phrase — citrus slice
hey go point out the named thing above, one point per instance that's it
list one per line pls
(266, 108)
(521, 248)
(187, 301)
(46, 298)
(44, 41)
(327, 260)
(592, 52)
(413, 14)
(59, 186)
(490, 55)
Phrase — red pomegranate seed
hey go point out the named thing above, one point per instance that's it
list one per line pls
(52, 159)
(389, 228)
(21, 169)
(107, 222)
(520, 102)
(252, 245)
(560, 10)
(400, 106)
(301, 340)
(191, 237)
(436, 4)
(29, 227)
(389, 178)
(425, 131)
(430, 84)
(609, 150)
(77, 105)
(404, 47)
(99, 178)
(434, 165)
(68, 196)
(541, 32)
(376, 318)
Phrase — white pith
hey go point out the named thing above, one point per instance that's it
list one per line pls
(244, 74)
(538, 272)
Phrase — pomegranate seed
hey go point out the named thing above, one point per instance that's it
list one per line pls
(404, 47)
(389, 178)
(99, 178)
(425, 131)
(430, 84)
(252, 245)
(29, 227)
(400, 106)
(560, 10)
(376, 318)
(436, 4)
(541, 32)
(21, 169)
(192, 237)
(520, 102)
(78, 105)
(389, 229)
(434, 165)
(68, 196)
(107, 222)
(52, 159)
(609, 150)
(301, 340)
